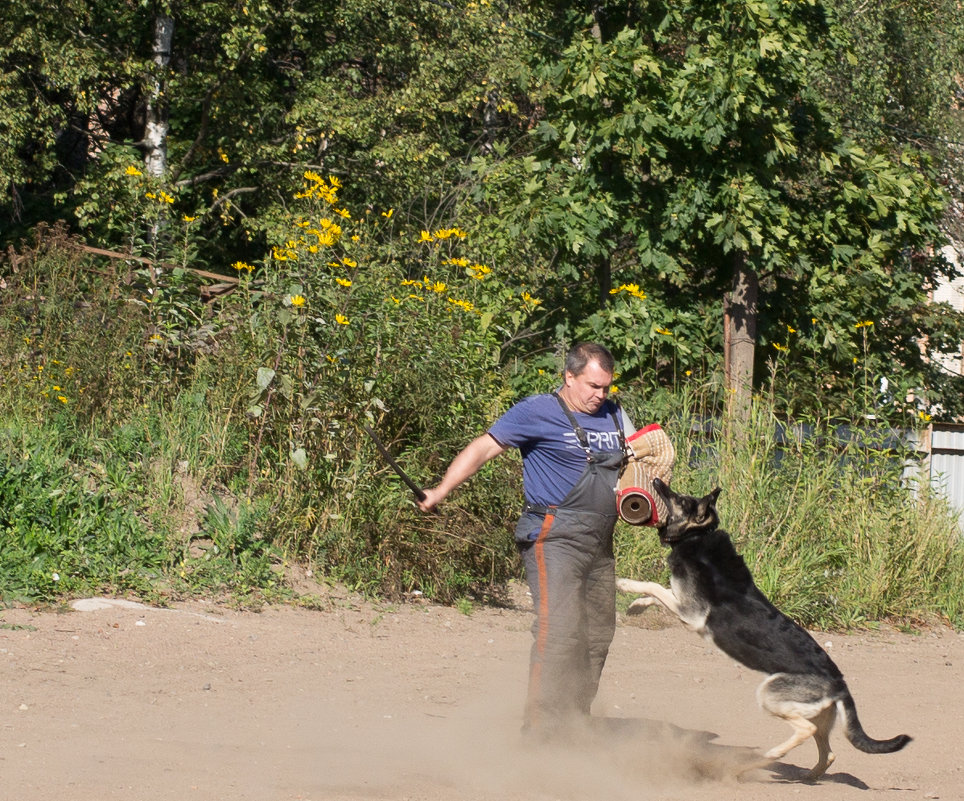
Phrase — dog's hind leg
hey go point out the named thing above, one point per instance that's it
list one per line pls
(776, 696)
(803, 730)
(825, 757)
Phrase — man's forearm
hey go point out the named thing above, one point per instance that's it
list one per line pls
(468, 462)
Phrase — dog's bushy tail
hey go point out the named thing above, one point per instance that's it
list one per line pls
(858, 737)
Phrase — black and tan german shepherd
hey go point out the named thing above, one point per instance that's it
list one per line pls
(712, 592)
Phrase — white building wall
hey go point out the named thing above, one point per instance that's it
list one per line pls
(952, 293)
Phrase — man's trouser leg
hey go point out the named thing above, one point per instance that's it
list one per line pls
(573, 592)
(600, 608)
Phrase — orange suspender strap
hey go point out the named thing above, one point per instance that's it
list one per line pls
(542, 612)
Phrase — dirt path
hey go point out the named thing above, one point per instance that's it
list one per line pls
(422, 702)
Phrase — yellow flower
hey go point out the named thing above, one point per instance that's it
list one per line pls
(791, 329)
(349, 262)
(527, 298)
(632, 289)
(664, 332)
(388, 214)
(222, 155)
(133, 171)
(781, 348)
(188, 218)
(924, 416)
(462, 304)
(343, 282)
(341, 319)
(297, 300)
(61, 398)
(425, 237)
(864, 324)
(241, 265)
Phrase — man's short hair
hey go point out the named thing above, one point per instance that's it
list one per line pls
(585, 352)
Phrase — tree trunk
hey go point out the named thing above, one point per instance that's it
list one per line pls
(155, 132)
(740, 322)
(604, 279)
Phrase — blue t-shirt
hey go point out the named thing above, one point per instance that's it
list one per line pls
(552, 458)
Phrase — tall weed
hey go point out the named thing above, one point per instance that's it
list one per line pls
(176, 448)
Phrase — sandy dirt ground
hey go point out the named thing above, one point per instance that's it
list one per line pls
(360, 701)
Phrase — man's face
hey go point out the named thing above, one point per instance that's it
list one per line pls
(587, 391)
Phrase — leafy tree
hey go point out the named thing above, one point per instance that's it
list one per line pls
(639, 165)
(688, 149)
(394, 94)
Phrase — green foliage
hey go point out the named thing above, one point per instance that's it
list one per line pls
(68, 526)
(639, 145)
(677, 135)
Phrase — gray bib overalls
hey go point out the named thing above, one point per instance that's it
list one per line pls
(567, 551)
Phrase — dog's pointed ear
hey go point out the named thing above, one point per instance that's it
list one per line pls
(706, 508)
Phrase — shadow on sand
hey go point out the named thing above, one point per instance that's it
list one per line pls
(635, 747)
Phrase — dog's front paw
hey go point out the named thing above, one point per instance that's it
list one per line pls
(640, 605)
(629, 585)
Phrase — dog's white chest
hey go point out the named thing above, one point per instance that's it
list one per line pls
(693, 609)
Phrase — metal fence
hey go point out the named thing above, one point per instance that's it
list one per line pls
(945, 464)
(935, 456)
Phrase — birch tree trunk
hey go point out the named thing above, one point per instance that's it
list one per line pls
(155, 131)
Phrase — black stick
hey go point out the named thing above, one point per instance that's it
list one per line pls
(415, 488)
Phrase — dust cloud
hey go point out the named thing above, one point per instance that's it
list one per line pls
(477, 751)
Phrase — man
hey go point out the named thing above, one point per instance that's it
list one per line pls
(573, 444)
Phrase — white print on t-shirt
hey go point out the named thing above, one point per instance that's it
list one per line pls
(598, 440)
